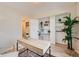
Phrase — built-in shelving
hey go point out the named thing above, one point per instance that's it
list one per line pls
(44, 28)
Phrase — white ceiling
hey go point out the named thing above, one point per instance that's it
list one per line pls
(32, 9)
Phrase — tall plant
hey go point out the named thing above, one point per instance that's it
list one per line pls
(68, 29)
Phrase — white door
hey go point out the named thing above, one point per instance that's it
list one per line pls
(34, 28)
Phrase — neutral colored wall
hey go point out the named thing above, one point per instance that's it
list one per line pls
(77, 28)
(52, 29)
(76, 31)
(10, 27)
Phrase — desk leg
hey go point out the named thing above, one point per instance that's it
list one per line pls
(17, 46)
(42, 56)
(27, 50)
(49, 51)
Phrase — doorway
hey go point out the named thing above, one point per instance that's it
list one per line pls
(25, 27)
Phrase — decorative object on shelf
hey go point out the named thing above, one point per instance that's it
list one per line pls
(49, 32)
(69, 22)
(59, 20)
(27, 23)
(41, 24)
(46, 21)
(39, 34)
(45, 24)
(27, 33)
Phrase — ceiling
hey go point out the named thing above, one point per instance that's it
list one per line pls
(34, 8)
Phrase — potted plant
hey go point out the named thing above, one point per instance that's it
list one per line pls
(68, 29)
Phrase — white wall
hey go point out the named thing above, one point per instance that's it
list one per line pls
(34, 28)
(76, 31)
(58, 27)
(77, 28)
(52, 29)
(10, 27)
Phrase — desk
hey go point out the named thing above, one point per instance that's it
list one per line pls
(39, 47)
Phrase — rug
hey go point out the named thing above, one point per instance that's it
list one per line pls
(23, 53)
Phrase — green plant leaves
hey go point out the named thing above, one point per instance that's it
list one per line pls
(68, 29)
(74, 21)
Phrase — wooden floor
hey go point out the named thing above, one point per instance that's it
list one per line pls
(61, 50)
(58, 50)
